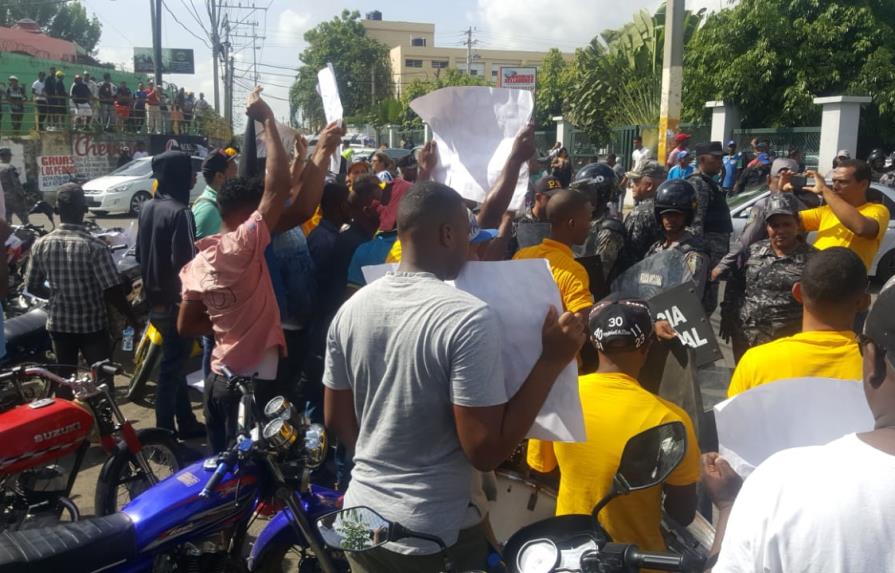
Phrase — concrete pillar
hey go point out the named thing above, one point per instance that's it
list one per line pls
(838, 127)
(392, 136)
(725, 119)
(563, 133)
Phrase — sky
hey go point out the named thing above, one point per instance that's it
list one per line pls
(498, 24)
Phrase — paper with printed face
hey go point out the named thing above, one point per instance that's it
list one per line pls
(474, 128)
(520, 293)
(332, 106)
(793, 413)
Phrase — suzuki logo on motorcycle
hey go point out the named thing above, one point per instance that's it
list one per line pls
(44, 436)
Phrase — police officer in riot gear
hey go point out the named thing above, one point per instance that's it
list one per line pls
(607, 235)
(675, 211)
(877, 162)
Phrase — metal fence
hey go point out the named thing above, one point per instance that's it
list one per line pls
(782, 140)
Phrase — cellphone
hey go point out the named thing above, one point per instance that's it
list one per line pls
(798, 181)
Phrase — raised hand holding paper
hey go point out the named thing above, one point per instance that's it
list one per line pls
(332, 106)
(474, 128)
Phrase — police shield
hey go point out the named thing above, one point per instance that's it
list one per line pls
(532, 233)
(653, 275)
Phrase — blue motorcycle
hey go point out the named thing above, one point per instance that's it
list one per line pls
(198, 518)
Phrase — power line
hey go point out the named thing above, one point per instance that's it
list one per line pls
(190, 32)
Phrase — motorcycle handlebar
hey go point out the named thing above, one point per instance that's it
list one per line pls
(215, 479)
(658, 561)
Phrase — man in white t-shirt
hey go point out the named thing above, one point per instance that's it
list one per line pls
(638, 153)
(822, 508)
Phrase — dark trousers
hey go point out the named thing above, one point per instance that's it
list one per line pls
(41, 115)
(207, 348)
(171, 398)
(222, 408)
(289, 374)
(68, 345)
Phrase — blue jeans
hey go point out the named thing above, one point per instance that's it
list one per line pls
(171, 399)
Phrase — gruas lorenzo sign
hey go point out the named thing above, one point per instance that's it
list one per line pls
(522, 78)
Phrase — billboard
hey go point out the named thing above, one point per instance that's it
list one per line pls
(518, 77)
(174, 61)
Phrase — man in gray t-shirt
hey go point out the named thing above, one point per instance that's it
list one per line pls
(414, 381)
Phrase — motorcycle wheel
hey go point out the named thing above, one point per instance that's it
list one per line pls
(137, 390)
(123, 480)
(283, 558)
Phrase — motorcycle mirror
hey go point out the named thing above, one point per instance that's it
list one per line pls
(651, 456)
(354, 529)
(42, 207)
(647, 460)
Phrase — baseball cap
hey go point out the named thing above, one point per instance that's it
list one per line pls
(217, 161)
(548, 185)
(13, 78)
(763, 157)
(683, 155)
(385, 176)
(624, 324)
(843, 153)
(60, 74)
(477, 234)
(780, 204)
(710, 148)
(682, 137)
(648, 169)
(782, 163)
(731, 143)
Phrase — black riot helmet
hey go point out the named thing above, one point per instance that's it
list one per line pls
(877, 159)
(677, 195)
(598, 182)
(880, 324)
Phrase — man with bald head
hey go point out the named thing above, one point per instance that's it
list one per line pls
(569, 214)
(414, 385)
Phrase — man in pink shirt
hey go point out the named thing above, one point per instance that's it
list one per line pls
(227, 288)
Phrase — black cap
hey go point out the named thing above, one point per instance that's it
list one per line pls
(710, 148)
(408, 161)
(5, 151)
(625, 324)
(216, 162)
(880, 324)
(548, 185)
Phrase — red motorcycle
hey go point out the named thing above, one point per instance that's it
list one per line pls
(43, 444)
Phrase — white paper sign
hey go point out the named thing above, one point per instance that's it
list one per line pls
(520, 293)
(332, 106)
(474, 128)
(760, 422)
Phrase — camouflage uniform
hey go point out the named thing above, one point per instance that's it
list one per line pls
(712, 223)
(641, 231)
(606, 238)
(758, 298)
(695, 257)
(13, 193)
(888, 179)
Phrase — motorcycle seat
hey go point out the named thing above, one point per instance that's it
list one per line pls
(24, 325)
(89, 545)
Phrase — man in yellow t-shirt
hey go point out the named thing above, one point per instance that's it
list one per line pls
(832, 290)
(569, 214)
(847, 219)
(616, 408)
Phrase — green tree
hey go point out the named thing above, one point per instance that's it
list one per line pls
(362, 66)
(444, 78)
(554, 78)
(773, 57)
(65, 20)
(617, 78)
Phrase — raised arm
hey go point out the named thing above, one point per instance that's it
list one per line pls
(498, 199)
(276, 178)
(308, 180)
(847, 214)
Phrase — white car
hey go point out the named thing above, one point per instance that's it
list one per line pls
(126, 189)
(883, 264)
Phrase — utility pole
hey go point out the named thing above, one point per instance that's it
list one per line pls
(227, 61)
(156, 14)
(213, 15)
(229, 110)
(672, 75)
(373, 86)
(469, 44)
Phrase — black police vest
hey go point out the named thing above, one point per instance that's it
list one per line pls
(717, 215)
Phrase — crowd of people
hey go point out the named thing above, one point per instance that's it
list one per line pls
(405, 371)
(90, 103)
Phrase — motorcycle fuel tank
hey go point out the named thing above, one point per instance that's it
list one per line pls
(35, 433)
(172, 511)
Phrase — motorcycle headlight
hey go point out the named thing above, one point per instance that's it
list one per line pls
(315, 445)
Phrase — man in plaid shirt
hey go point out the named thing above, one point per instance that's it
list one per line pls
(82, 277)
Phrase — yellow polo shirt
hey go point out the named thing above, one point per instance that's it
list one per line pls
(832, 233)
(813, 354)
(616, 408)
(570, 276)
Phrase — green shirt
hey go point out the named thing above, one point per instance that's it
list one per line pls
(207, 213)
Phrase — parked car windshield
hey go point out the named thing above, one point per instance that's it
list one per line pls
(137, 168)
